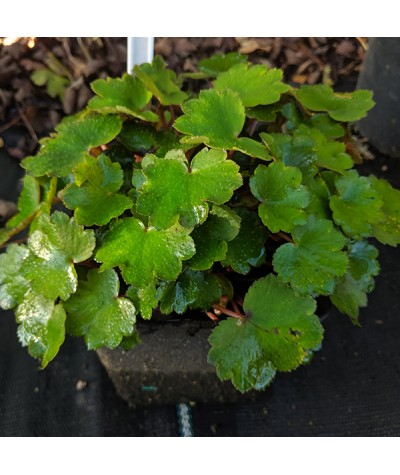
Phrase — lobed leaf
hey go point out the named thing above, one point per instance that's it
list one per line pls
(75, 136)
(97, 313)
(143, 138)
(330, 154)
(293, 151)
(160, 81)
(219, 63)
(247, 249)
(41, 326)
(357, 205)
(172, 191)
(127, 95)
(343, 107)
(13, 285)
(145, 254)
(193, 290)
(283, 197)
(237, 353)
(256, 85)
(212, 237)
(315, 259)
(278, 333)
(57, 243)
(144, 299)
(350, 293)
(94, 196)
(387, 229)
(216, 119)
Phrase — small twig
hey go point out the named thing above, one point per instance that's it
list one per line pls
(172, 112)
(253, 127)
(285, 237)
(362, 42)
(228, 312)
(10, 124)
(28, 125)
(84, 49)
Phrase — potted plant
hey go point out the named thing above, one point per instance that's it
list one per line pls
(238, 205)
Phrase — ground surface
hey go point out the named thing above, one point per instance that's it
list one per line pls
(351, 387)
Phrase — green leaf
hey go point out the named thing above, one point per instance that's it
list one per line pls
(57, 243)
(160, 81)
(129, 342)
(291, 112)
(138, 137)
(125, 95)
(283, 197)
(387, 230)
(56, 85)
(202, 119)
(172, 191)
(264, 113)
(314, 261)
(277, 334)
(41, 326)
(343, 107)
(357, 206)
(351, 292)
(363, 263)
(145, 299)
(96, 200)
(97, 313)
(247, 249)
(28, 205)
(13, 285)
(145, 254)
(330, 154)
(194, 290)
(216, 119)
(143, 138)
(76, 135)
(284, 316)
(212, 237)
(252, 148)
(256, 85)
(319, 198)
(293, 151)
(237, 354)
(328, 127)
(28, 201)
(220, 63)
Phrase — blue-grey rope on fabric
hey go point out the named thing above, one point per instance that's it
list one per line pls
(185, 419)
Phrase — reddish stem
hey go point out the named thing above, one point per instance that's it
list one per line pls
(212, 316)
(228, 312)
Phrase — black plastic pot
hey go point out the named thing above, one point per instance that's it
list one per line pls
(381, 74)
(169, 366)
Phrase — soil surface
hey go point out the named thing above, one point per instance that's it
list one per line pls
(71, 64)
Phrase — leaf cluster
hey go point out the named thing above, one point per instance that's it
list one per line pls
(241, 201)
